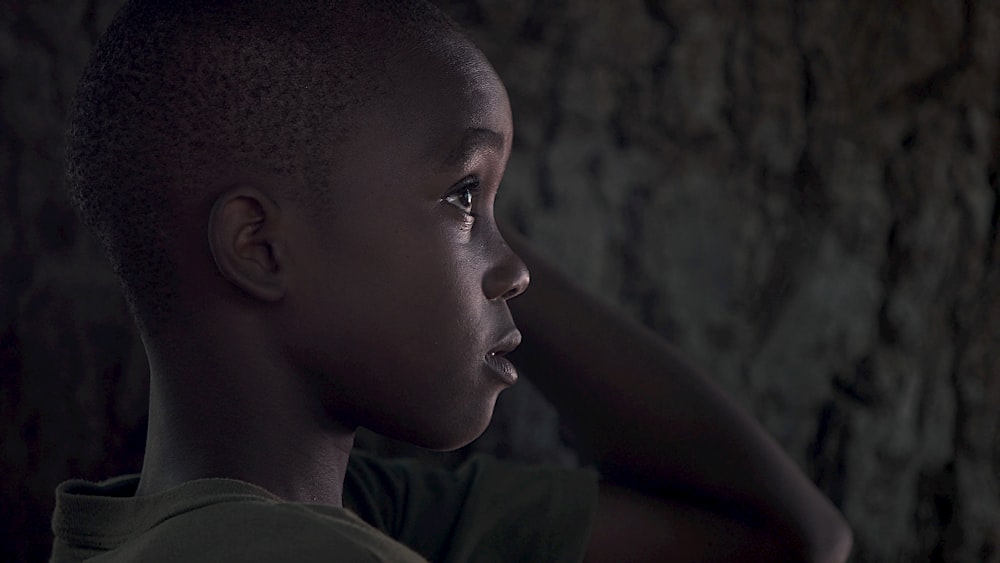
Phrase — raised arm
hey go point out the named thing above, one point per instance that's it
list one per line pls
(687, 475)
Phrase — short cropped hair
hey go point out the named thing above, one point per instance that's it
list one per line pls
(179, 90)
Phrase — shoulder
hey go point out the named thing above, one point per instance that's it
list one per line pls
(263, 531)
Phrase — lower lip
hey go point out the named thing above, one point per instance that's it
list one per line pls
(503, 368)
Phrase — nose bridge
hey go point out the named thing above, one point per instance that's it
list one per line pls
(507, 275)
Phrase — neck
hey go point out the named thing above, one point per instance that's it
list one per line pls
(239, 416)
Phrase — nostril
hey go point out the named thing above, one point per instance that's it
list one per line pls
(512, 293)
(508, 276)
(517, 288)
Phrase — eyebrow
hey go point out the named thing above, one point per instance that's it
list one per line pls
(474, 141)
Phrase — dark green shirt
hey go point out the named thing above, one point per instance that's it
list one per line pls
(394, 510)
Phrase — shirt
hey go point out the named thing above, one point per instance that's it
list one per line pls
(394, 510)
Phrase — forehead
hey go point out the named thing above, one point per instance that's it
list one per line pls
(444, 112)
(449, 96)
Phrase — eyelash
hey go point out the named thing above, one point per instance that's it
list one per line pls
(470, 185)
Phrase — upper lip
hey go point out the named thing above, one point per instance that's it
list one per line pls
(507, 343)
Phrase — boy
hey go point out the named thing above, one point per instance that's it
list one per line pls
(298, 199)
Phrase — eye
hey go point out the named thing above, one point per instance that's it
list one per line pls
(462, 196)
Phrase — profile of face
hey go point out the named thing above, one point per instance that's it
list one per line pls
(404, 299)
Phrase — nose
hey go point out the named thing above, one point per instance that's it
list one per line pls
(508, 277)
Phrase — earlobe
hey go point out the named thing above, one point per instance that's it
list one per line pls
(244, 234)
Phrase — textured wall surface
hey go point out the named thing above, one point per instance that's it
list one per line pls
(803, 195)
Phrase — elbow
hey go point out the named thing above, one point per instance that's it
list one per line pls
(832, 543)
(838, 550)
(820, 535)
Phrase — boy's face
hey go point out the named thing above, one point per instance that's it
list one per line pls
(402, 293)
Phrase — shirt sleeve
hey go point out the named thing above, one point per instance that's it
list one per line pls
(485, 510)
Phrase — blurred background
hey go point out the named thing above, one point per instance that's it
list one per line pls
(803, 195)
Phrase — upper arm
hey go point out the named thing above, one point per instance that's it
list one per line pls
(633, 527)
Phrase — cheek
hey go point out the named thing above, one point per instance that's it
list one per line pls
(400, 347)
(421, 298)
(399, 282)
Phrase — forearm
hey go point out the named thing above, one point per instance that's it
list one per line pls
(653, 422)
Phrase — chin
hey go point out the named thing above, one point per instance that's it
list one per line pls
(452, 443)
(453, 438)
(447, 435)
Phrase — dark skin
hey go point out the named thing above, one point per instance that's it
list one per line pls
(686, 472)
(389, 309)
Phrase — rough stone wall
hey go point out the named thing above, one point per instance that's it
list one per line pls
(803, 195)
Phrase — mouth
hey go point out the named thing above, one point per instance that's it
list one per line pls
(501, 366)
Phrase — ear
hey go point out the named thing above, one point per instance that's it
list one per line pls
(245, 236)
